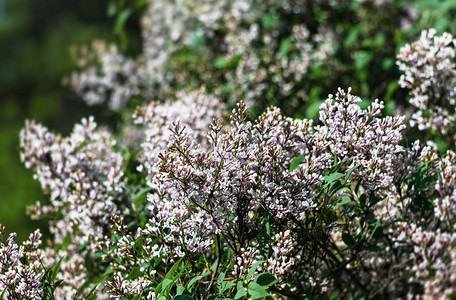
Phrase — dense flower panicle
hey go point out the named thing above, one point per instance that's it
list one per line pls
(244, 168)
(280, 261)
(361, 137)
(21, 271)
(195, 111)
(429, 73)
(109, 75)
(81, 173)
(221, 189)
(83, 177)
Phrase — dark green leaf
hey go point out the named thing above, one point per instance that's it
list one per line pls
(348, 240)
(183, 297)
(88, 262)
(374, 248)
(265, 279)
(377, 232)
(340, 202)
(57, 283)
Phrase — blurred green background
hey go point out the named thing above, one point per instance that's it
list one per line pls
(35, 41)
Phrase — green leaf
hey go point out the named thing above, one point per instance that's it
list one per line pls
(362, 58)
(3, 294)
(81, 145)
(374, 248)
(348, 240)
(268, 21)
(265, 279)
(285, 47)
(57, 283)
(194, 280)
(377, 232)
(295, 163)
(352, 36)
(141, 198)
(173, 269)
(349, 172)
(55, 270)
(256, 291)
(332, 177)
(197, 39)
(90, 295)
(121, 20)
(166, 283)
(180, 290)
(253, 269)
(226, 285)
(88, 262)
(340, 202)
(240, 291)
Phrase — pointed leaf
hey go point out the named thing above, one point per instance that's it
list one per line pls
(265, 279)
(256, 291)
(340, 202)
(240, 291)
(253, 269)
(295, 163)
(332, 177)
(348, 240)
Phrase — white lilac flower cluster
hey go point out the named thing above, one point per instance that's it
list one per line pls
(108, 75)
(429, 73)
(430, 242)
(21, 271)
(83, 176)
(194, 110)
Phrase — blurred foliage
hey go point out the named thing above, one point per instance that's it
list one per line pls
(35, 41)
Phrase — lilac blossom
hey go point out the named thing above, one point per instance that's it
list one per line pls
(83, 177)
(429, 73)
(21, 269)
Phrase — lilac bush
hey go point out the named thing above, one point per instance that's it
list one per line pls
(188, 201)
